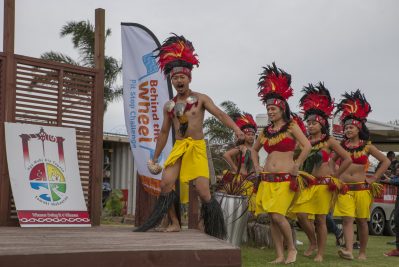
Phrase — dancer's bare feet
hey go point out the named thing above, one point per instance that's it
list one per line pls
(291, 256)
(278, 260)
(172, 228)
(318, 258)
(163, 225)
(312, 248)
(160, 229)
(201, 226)
(347, 255)
(362, 256)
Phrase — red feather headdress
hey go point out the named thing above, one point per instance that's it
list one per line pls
(317, 103)
(275, 86)
(176, 55)
(354, 108)
(245, 122)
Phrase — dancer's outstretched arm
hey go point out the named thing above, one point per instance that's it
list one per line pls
(223, 117)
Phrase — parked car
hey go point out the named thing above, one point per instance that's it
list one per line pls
(381, 218)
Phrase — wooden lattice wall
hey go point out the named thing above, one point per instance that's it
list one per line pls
(53, 94)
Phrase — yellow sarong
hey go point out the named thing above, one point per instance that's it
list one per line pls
(317, 199)
(194, 162)
(274, 197)
(354, 204)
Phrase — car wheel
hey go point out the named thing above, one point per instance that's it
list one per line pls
(390, 226)
(377, 222)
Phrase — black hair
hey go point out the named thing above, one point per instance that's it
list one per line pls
(364, 132)
(325, 129)
(287, 113)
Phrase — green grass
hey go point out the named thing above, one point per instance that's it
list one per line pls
(254, 257)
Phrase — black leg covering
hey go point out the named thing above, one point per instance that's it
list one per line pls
(212, 215)
(165, 201)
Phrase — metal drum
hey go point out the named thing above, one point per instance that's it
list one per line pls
(235, 215)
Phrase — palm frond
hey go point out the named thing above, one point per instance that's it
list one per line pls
(230, 107)
(59, 57)
(82, 34)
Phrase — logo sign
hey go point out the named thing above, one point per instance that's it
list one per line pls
(44, 175)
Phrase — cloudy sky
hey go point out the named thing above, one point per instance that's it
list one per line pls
(348, 44)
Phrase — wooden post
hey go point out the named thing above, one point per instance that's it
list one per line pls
(145, 203)
(9, 107)
(97, 174)
(9, 26)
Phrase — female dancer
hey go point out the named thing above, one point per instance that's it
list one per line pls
(279, 176)
(317, 107)
(242, 158)
(355, 204)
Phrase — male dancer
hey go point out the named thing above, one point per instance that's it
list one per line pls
(188, 159)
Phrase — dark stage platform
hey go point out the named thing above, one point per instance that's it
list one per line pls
(112, 246)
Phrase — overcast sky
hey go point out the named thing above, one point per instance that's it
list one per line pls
(348, 44)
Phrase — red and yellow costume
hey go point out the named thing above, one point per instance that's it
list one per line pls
(276, 190)
(321, 196)
(247, 124)
(359, 195)
(317, 105)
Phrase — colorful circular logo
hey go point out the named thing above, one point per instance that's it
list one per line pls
(49, 182)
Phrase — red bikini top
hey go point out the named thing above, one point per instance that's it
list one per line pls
(325, 156)
(359, 154)
(285, 145)
(362, 160)
(278, 140)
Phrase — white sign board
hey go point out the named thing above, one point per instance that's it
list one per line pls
(44, 176)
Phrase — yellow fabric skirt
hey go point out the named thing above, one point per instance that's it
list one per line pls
(194, 162)
(274, 197)
(313, 200)
(354, 204)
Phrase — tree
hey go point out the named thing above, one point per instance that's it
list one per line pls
(215, 131)
(82, 34)
(220, 137)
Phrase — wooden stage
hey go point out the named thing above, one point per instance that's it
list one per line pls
(112, 246)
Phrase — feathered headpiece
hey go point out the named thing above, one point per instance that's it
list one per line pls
(316, 103)
(275, 86)
(245, 122)
(176, 55)
(354, 108)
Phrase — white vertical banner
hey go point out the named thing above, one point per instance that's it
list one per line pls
(44, 175)
(145, 91)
